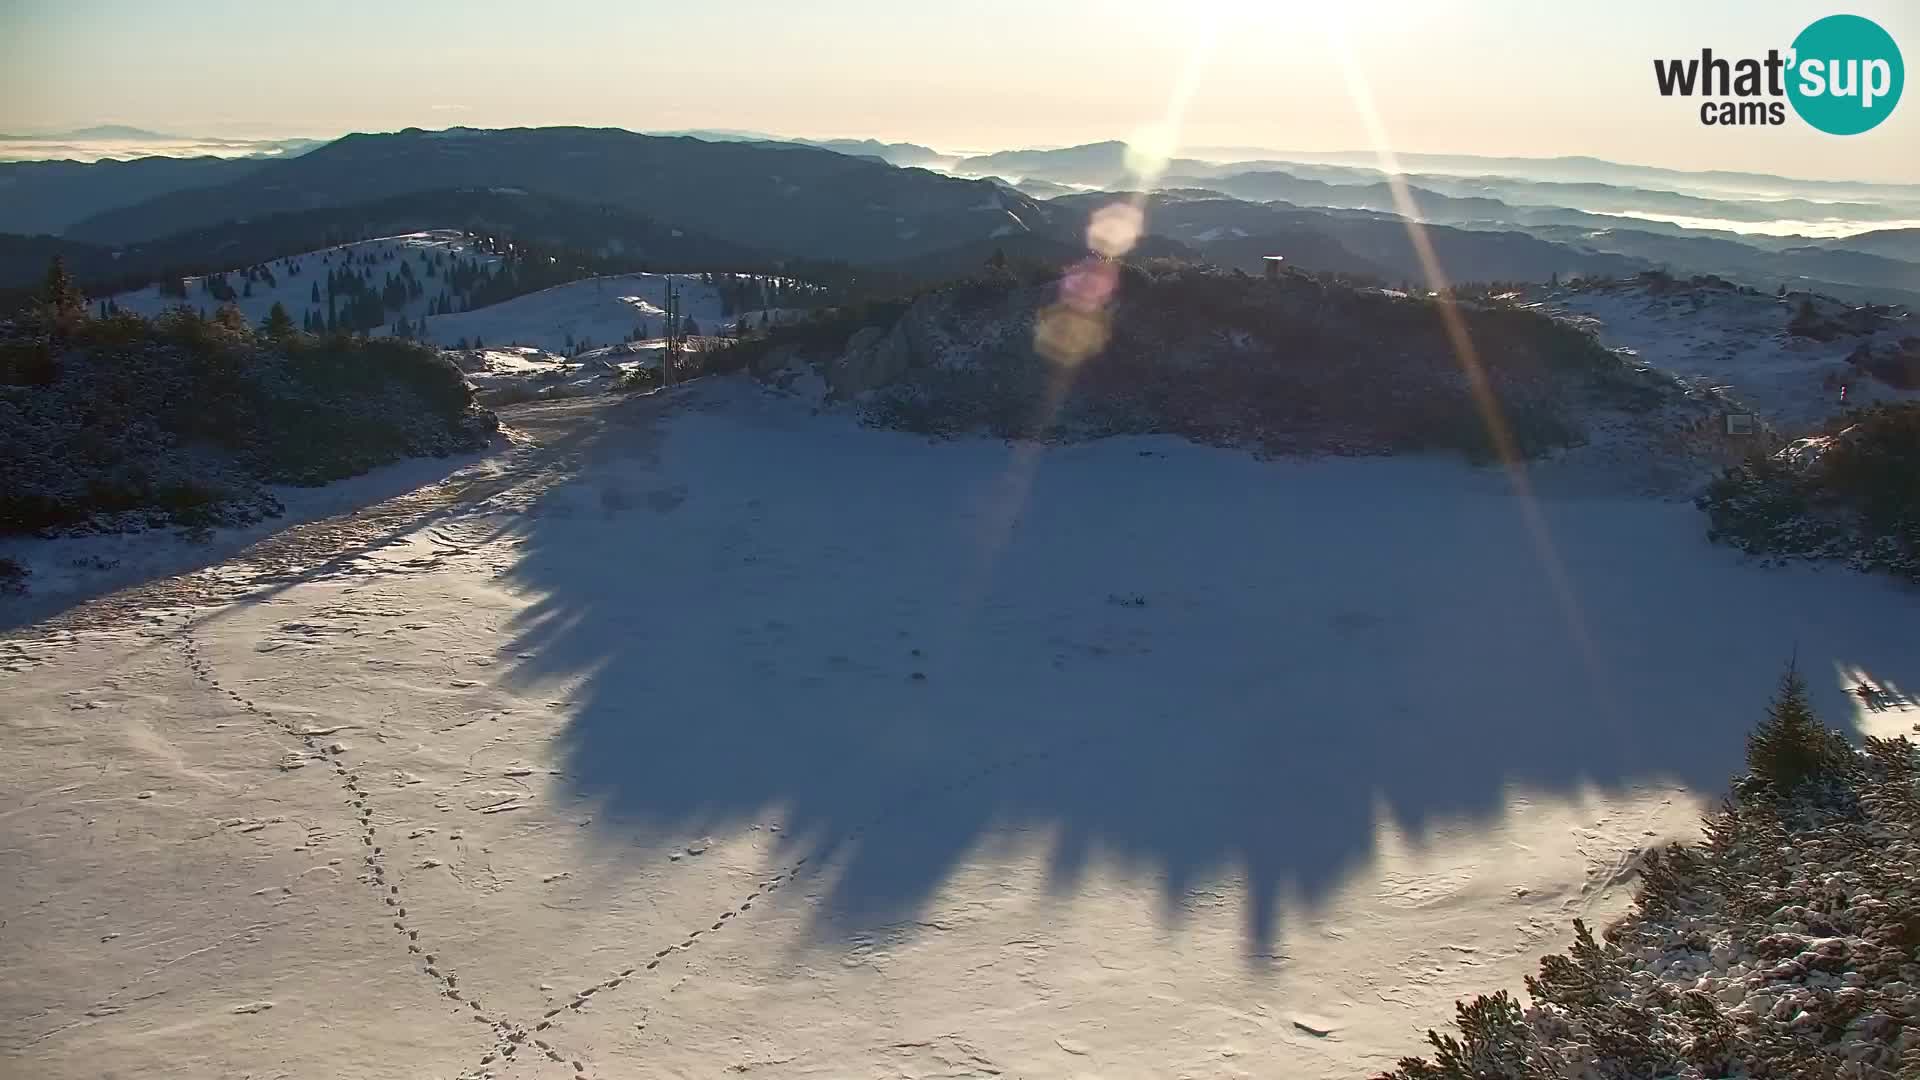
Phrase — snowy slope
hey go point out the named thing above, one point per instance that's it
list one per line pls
(295, 291)
(1720, 337)
(595, 312)
(719, 737)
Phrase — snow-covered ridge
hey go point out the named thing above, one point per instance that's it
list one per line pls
(299, 282)
(1715, 335)
(585, 319)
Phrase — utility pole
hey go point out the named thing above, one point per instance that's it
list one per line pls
(672, 352)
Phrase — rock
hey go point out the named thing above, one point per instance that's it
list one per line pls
(1826, 954)
(1781, 946)
(1897, 365)
(874, 358)
(864, 338)
(1788, 971)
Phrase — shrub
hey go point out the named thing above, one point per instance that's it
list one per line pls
(13, 576)
(1298, 364)
(182, 420)
(1852, 494)
(1783, 945)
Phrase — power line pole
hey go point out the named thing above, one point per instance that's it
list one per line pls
(676, 325)
(672, 350)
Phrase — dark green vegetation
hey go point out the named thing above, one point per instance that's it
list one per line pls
(122, 423)
(1298, 364)
(1852, 494)
(1785, 945)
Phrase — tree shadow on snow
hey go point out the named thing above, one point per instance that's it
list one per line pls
(1190, 669)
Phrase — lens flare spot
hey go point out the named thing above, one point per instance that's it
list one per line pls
(1149, 150)
(1069, 336)
(1115, 228)
(1089, 285)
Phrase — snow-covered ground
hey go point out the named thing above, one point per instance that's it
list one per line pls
(1723, 338)
(295, 291)
(599, 311)
(592, 313)
(718, 737)
(515, 374)
(73, 569)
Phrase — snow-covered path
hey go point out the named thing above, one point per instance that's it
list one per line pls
(715, 736)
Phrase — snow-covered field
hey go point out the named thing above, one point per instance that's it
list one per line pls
(598, 311)
(720, 737)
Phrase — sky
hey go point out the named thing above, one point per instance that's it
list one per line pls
(1496, 77)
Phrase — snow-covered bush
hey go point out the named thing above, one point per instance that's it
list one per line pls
(1852, 495)
(1785, 945)
(124, 423)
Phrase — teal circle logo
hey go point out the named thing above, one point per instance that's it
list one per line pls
(1847, 75)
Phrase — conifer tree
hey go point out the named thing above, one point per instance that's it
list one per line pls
(278, 325)
(61, 297)
(228, 318)
(1791, 747)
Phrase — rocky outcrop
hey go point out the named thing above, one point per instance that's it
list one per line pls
(1895, 363)
(874, 357)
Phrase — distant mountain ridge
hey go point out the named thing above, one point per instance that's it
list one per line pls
(893, 153)
(1540, 181)
(785, 198)
(101, 131)
(627, 241)
(50, 196)
(762, 201)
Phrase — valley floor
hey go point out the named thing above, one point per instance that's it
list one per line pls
(699, 734)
